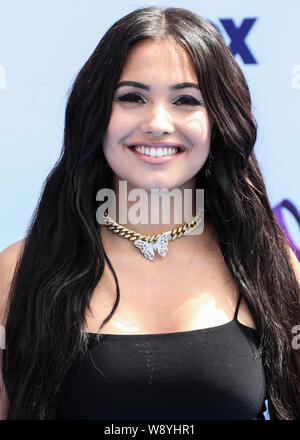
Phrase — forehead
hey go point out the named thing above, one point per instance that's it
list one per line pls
(163, 60)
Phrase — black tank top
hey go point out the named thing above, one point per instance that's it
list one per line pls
(213, 373)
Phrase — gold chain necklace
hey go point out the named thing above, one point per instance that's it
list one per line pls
(157, 242)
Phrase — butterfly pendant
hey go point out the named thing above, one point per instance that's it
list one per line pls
(161, 245)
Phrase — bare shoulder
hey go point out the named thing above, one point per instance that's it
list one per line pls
(295, 264)
(8, 260)
(12, 249)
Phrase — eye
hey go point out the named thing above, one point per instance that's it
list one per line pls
(131, 97)
(187, 100)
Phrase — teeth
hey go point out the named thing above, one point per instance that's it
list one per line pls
(156, 152)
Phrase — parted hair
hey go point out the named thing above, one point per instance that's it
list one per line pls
(64, 258)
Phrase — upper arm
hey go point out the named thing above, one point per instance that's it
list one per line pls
(8, 261)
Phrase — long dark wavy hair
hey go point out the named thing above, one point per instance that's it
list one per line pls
(64, 258)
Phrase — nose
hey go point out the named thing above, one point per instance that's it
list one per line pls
(157, 121)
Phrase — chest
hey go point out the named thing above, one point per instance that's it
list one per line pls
(169, 298)
(209, 374)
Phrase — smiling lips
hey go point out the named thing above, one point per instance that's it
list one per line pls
(157, 153)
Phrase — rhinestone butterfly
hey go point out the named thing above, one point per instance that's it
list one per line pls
(161, 245)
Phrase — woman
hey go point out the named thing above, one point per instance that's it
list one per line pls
(206, 331)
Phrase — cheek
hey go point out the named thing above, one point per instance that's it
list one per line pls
(198, 128)
(120, 126)
(113, 127)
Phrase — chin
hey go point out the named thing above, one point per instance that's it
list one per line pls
(157, 185)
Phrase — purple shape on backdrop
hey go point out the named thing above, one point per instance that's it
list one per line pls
(286, 204)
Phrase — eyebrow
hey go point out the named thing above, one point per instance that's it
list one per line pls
(139, 85)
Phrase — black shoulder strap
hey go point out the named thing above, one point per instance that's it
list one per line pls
(237, 307)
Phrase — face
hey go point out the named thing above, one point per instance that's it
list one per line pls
(159, 130)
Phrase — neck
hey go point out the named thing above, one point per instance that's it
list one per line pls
(154, 211)
(139, 211)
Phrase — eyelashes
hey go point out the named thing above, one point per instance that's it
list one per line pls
(137, 99)
(187, 100)
(131, 97)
